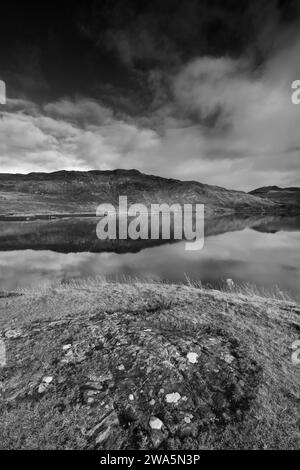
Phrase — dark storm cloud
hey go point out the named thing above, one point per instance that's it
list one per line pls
(192, 89)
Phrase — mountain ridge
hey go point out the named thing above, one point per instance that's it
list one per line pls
(288, 197)
(82, 191)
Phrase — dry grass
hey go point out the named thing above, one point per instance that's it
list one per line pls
(263, 324)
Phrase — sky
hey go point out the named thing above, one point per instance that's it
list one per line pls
(188, 89)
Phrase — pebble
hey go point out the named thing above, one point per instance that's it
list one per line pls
(48, 379)
(45, 383)
(155, 423)
(66, 347)
(42, 388)
(131, 397)
(2, 354)
(13, 334)
(173, 397)
(192, 357)
(228, 358)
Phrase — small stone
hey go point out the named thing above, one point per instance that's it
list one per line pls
(47, 380)
(131, 397)
(121, 367)
(155, 423)
(187, 419)
(42, 388)
(173, 397)
(13, 334)
(2, 354)
(152, 402)
(228, 358)
(66, 347)
(192, 357)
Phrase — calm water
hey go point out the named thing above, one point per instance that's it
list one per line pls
(261, 251)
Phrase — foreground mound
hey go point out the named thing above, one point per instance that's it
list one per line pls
(141, 366)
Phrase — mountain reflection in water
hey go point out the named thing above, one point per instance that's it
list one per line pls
(264, 251)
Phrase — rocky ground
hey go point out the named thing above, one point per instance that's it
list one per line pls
(147, 366)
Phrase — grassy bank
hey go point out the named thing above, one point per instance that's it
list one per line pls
(141, 365)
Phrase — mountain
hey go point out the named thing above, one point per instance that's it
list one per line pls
(78, 192)
(287, 197)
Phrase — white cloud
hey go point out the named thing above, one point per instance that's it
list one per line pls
(47, 143)
(227, 126)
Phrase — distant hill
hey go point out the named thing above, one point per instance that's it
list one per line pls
(81, 192)
(288, 197)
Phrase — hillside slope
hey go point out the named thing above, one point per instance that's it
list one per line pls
(287, 197)
(75, 192)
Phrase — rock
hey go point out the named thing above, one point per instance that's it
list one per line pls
(228, 358)
(13, 334)
(121, 367)
(131, 397)
(66, 347)
(42, 388)
(230, 283)
(47, 379)
(2, 353)
(45, 383)
(192, 357)
(155, 423)
(173, 397)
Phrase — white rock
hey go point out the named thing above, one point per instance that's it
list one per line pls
(228, 358)
(187, 419)
(2, 353)
(155, 423)
(47, 379)
(121, 367)
(13, 334)
(42, 388)
(192, 357)
(131, 397)
(173, 397)
(67, 346)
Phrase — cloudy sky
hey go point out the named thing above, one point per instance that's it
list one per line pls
(191, 89)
